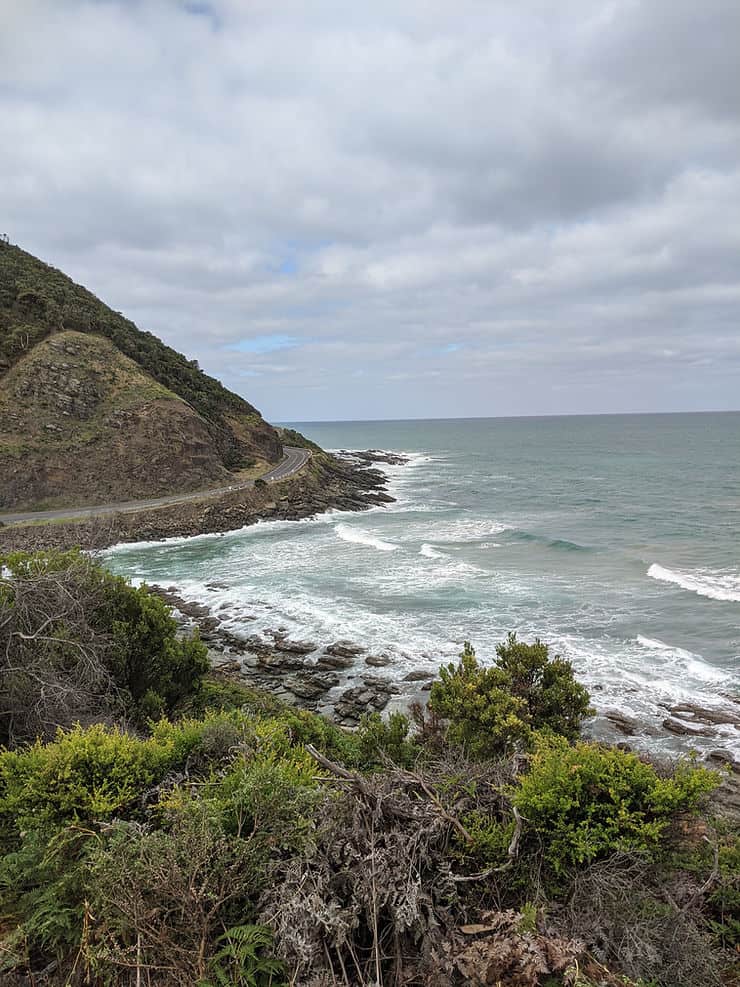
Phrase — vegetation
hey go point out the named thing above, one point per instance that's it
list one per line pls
(235, 840)
(492, 710)
(37, 300)
(77, 643)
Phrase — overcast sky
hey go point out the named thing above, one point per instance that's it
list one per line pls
(391, 210)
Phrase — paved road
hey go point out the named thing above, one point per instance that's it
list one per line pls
(294, 459)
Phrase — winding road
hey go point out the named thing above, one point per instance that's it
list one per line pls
(294, 459)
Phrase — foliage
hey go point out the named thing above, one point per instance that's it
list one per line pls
(381, 741)
(242, 961)
(83, 776)
(161, 898)
(492, 710)
(77, 641)
(586, 801)
(36, 300)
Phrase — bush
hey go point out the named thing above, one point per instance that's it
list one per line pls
(161, 899)
(380, 741)
(79, 643)
(585, 802)
(492, 710)
(84, 776)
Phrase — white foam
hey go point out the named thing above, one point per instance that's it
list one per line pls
(693, 665)
(430, 552)
(359, 536)
(714, 585)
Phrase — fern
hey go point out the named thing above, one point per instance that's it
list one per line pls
(241, 961)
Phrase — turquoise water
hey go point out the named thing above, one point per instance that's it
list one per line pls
(614, 538)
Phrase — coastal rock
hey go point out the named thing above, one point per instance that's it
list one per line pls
(723, 758)
(372, 696)
(418, 675)
(370, 456)
(344, 649)
(378, 661)
(627, 725)
(295, 647)
(334, 661)
(280, 662)
(311, 686)
(684, 728)
(701, 714)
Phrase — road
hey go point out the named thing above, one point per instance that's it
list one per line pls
(294, 459)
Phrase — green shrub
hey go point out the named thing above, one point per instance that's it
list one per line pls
(83, 776)
(492, 710)
(380, 740)
(77, 642)
(588, 801)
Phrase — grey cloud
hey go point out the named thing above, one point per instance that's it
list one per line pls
(554, 187)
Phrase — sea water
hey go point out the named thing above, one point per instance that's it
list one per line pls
(615, 539)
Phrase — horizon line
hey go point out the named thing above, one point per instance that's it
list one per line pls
(477, 418)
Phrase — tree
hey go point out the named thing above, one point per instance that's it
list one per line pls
(492, 710)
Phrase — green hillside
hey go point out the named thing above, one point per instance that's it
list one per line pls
(37, 300)
(94, 410)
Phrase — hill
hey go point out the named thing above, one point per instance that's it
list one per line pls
(92, 409)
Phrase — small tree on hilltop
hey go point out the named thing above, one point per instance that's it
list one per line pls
(490, 711)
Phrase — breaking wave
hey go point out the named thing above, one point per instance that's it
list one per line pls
(360, 537)
(714, 585)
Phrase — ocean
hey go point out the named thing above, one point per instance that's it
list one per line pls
(615, 539)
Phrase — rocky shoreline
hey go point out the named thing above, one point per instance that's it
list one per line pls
(347, 482)
(337, 679)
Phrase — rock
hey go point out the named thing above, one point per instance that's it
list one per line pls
(281, 662)
(687, 729)
(378, 661)
(334, 661)
(625, 724)
(311, 686)
(704, 715)
(208, 624)
(295, 647)
(345, 649)
(721, 757)
(418, 675)
(373, 694)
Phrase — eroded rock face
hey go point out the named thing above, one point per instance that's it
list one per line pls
(82, 424)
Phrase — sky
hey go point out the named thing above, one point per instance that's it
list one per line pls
(394, 210)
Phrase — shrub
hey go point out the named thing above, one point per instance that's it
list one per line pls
(79, 643)
(84, 776)
(588, 801)
(161, 899)
(491, 710)
(380, 740)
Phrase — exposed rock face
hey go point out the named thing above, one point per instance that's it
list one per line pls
(82, 424)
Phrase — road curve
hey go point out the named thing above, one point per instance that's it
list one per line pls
(294, 459)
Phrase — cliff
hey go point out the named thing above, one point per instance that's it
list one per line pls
(94, 410)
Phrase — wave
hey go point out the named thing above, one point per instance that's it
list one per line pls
(692, 663)
(723, 586)
(358, 536)
(430, 552)
(563, 544)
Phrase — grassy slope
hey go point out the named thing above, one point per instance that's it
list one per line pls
(37, 300)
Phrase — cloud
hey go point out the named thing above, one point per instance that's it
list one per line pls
(427, 211)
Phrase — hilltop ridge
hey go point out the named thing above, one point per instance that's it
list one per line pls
(93, 408)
